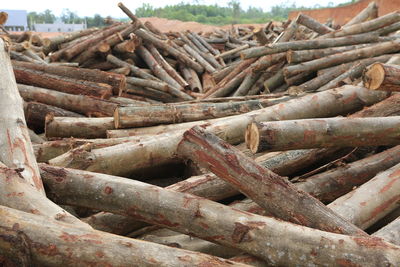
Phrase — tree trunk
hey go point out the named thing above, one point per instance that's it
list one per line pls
(78, 127)
(204, 63)
(77, 103)
(117, 81)
(261, 36)
(336, 59)
(192, 78)
(308, 44)
(317, 133)
(370, 12)
(135, 70)
(215, 222)
(383, 77)
(260, 184)
(62, 84)
(50, 243)
(312, 24)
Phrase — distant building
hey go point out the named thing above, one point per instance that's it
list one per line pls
(58, 27)
(17, 20)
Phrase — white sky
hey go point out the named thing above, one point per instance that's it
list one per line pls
(110, 8)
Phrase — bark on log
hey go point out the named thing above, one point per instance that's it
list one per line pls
(317, 133)
(15, 144)
(372, 200)
(149, 94)
(192, 215)
(330, 185)
(117, 81)
(288, 33)
(53, 243)
(336, 59)
(192, 78)
(135, 70)
(309, 44)
(260, 184)
(207, 66)
(313, 24)
(62, 84)
(371, 11)
(390, 233)
(122, 160)
(383, 77)
(78, 103)
(78, 127)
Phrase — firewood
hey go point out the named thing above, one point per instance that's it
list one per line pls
(328, 132)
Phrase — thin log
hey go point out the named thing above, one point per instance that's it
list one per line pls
(207, 66)
(317, 133)
(135, 70)
(370, 12)
(52, 43)
(208, 82)
(383, 77)
(313, 24)
(288, 33)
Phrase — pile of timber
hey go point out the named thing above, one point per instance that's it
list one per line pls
(278, 146)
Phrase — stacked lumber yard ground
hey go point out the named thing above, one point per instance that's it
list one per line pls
(272, 146)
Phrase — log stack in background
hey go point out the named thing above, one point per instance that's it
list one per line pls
(226, 145)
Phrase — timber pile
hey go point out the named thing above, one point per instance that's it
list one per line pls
(278, 146)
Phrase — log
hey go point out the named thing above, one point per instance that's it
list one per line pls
(336, 59)
(371, 201)
(261, 36)
(141, 116)
(170, 50)
(308, 44)
(231, 227)
(208, 82)
(117, 81)
(390, 233)
(81, 104)
(52, 43)
(330, 185)
(62, 84)
(318, 133)
(383, 77)
(260, 184)
(313, 24)
(288, 33)
(207, 66)
(42, 238)
(122, 160)
(149, 94)
(370, 12)
(78, 127)
(135, 70)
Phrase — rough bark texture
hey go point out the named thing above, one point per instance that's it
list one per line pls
(313, 24)
(391, 232)
(317, 133)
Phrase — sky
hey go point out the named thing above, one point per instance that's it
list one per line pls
(110, 8)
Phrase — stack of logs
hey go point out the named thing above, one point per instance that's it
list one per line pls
(278, 146)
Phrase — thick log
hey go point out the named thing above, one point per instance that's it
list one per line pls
(141, 116)
(313, 24)
(15, 144)
(288, 33)
(260, 184)
(274, 82)
(391, 232)
(261, 36)
(78, 127)
(122, 160)
(330, 185)
(370, 12)
(371, 201)
(383, 77)
(117, 81)
(170, 50)
(82, 104)
(197, 216)
(247, 83)
(229, 87)
(336, 59)
(79, 247)
(309, 44)
(62, 84)
(318, 133)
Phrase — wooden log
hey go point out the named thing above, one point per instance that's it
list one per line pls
(117, 81)
(308, 44)
(91, 247)
(78, 127)
(372, 200)
(370, 12)
(330, 185)
(390, 233)
(62, 84)
(207, 66)
(317, 133)
(208, 82)
(261, 36)
(174, 214)
(52, 43)
(16, 147)
(381, 76)
(274, 82)
(135, 70)
(149, 93)
(288, 33)
(366, 26)
(313, 24)
(170, 50)
(77, 103)
(263, 186)
(229, 87)
(206, 44)
(336, 59)
(247, 83)
(123, 70)
(141, 116)
(232, 52)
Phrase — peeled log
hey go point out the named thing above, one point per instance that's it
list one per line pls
(371, 201)
(261, 236)
(52, 243)
(317, 133)
(271, 191)
(385, 77)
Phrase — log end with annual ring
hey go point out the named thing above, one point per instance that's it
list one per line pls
(116, 118)
(252, 137)
(374, 76)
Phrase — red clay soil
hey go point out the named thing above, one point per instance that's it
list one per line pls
(343, 14)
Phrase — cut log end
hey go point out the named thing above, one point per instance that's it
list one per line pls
(374, 76)
(116, 119)
(252, 137)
